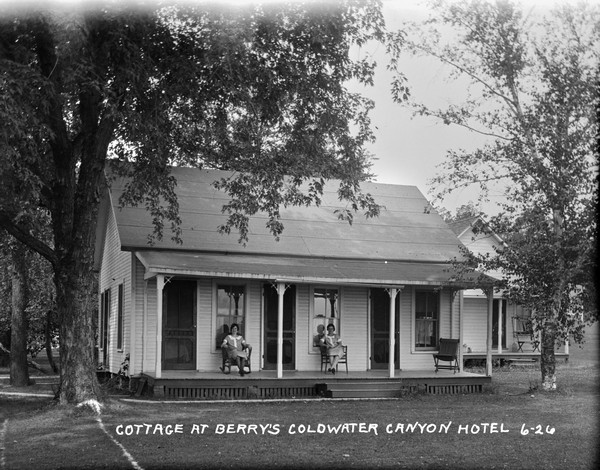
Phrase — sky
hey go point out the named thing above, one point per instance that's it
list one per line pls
(407, 149)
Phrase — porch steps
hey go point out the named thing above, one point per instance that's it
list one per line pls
(366, 389)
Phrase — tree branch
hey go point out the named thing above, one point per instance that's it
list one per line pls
(439, 114)
(23, 235)
(466, 71)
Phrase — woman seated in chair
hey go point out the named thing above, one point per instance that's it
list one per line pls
(235, 346)
(331, 344)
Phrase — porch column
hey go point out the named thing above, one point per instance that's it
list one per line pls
(280, 293)
(500, 325)
(392, 355)
(488, 347)
(160, 284)
(460, 329)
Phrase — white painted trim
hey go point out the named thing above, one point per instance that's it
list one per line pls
(131, 316)
(393, 292)
(160, 283)
(488, 346)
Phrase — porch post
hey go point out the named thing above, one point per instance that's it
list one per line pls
(160, 284)
(392, 355)
(500, 325)
(280, 293)
(488, 347)
(461, 329)
(452, 297)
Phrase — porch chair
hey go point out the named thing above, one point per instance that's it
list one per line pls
(448, 352)
(227, 362)
(325, 359)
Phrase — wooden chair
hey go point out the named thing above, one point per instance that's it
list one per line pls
(448, 352)
(325, 359)
(227, 362)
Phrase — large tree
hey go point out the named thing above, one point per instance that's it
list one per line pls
(531, 83)
(260, 90)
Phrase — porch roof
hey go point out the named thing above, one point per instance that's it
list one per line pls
(301, 269)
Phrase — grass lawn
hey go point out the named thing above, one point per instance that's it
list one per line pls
(532, 430)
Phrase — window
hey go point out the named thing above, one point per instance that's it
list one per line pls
(231, 308)
(326, 304)
(103, 338)
(426, 319)
(120, 318)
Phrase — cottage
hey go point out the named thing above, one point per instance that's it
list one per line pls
(383, 282)
(512, 336)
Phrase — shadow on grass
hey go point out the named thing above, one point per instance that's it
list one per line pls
(532, 430)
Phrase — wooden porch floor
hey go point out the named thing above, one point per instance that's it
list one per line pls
(264, 384)
(310, 375)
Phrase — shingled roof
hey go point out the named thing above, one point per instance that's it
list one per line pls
(404, 231)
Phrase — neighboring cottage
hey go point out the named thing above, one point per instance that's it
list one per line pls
(512, 334)
(167, 306)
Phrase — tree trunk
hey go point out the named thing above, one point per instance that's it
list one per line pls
(549, 325)
(548, 359)
(19, 371)
(48, 342)
(76, 306)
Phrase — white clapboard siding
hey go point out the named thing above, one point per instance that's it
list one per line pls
(207, 357)
(304, 359)
(354, 326)
(254, 320)
(475, 323)
(150, 327)
(405, 331)
(134, 317)
(116, 270)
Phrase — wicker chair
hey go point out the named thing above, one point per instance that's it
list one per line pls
(227, 362)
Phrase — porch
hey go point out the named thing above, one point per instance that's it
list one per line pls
(511, 356)
(264, 384)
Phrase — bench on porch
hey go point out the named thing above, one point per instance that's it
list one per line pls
(448, 352)
(227, 361)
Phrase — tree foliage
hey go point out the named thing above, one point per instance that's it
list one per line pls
(533, 91)
(40, 308)
(259, 90)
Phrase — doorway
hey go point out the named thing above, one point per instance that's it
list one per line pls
(289, 331)
(380, 330)
(495, 317)
(179, 325)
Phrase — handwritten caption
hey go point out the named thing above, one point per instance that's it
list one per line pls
(322, 428)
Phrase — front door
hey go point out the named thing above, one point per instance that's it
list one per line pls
(289, 334)
(179, 325)
(380, 330)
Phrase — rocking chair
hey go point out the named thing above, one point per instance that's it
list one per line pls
(448, 352)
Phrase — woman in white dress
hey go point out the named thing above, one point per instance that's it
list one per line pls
(236, 347)
(333, 347)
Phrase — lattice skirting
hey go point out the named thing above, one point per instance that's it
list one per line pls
(454, 389)
(220, 393)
